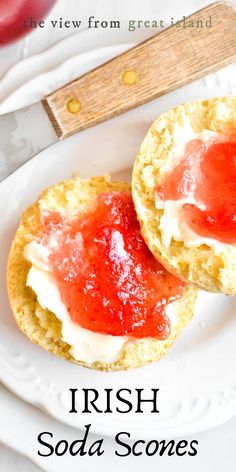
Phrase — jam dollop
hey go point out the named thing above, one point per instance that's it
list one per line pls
(207, 172)
(108, 279)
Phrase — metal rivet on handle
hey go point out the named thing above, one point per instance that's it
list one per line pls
(73, 106)
(129, 77)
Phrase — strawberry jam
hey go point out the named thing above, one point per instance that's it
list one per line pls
(107, 277)
(207, 172)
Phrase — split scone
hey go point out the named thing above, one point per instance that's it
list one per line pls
(184, 191)
(83, 284)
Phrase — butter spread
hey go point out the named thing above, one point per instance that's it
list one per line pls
(172, 222)
(86, 345)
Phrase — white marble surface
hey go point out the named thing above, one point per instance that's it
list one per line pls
(216, 446)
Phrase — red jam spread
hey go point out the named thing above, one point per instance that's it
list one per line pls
(107, 277)
(207, 172)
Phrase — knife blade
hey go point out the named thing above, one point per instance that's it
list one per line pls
(170, 59)
(23, 134)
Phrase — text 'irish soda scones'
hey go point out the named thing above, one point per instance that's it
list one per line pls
(83, 284)
(184, 191)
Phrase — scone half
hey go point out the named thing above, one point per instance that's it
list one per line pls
(40, 324)
(210, 264)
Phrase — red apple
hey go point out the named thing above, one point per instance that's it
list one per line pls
(13, 13)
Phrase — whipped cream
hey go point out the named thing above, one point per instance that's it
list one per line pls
(86, 345)
(173, 224)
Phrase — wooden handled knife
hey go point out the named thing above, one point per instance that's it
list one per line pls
(170, 59)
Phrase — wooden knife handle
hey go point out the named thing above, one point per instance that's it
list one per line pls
(174, 57)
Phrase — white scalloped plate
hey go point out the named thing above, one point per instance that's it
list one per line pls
(197, 379)
(13, 412)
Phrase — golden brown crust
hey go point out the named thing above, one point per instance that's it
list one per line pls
(202, 265)
(42, 326)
